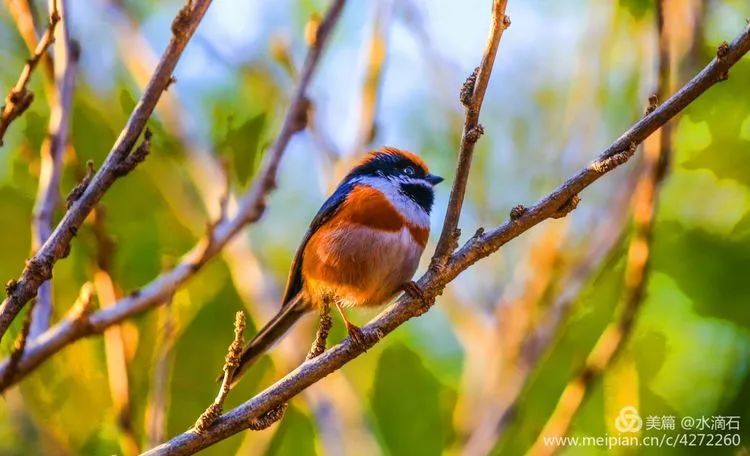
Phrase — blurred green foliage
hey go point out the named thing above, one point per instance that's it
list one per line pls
(690, 350)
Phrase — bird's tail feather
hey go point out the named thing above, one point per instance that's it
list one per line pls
(289, 313)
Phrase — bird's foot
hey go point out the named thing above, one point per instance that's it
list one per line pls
(363, 339)
(414, 291)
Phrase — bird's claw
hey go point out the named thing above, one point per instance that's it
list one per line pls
(415, 291)
(363, 339)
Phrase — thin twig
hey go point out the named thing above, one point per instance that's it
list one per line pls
(321, 335)
(18, 347)
(39, 268)
(250, 208)
(20, 97)
(472, 96)
(433, 282)
(231, 362)
(656, 158)
(53, 149)
(79, 311)
(24, 19)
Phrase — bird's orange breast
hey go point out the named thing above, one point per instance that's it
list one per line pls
(365, 252)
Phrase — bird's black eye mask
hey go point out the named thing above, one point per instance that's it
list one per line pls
(388, 165)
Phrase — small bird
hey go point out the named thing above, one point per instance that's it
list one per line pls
(362, 247)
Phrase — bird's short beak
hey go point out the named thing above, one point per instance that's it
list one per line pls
(433, 179)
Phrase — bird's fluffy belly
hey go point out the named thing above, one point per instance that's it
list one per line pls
(359, 266)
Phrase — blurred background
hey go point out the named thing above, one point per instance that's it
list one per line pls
(482, 371)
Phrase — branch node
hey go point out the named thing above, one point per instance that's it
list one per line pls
(232, 360)
(268, 418)
(473, 135)
(567, 207)
(10, 286)
(722, 51)
(134, 159)
(208, 417)
(467, 89)
(182, 20)
(38, 269)
(171, 81)
(301, 116)
(653, 103)
(311, 29)
(605, 165)
(506, 22)
(81, 187)
(517, 212)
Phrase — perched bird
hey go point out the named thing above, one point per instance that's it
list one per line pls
(362, 247)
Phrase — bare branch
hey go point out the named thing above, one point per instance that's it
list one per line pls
(20, 97)
(231, 361)
(18, 347)
(250, 208)
(472, 96)
(24, 18)
(434, 281)
(39, 267)
(53, 149)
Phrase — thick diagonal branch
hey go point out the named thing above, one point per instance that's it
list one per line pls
(478, 247)
(39, 268)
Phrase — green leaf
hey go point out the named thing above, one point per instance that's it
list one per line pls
(707, 268)
(241, 144)
(724, 112)
(409, 406)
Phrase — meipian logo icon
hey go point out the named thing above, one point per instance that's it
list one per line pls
(628, 420)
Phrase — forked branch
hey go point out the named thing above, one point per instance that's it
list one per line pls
(39, 268)
(250, 208)
(471, 96)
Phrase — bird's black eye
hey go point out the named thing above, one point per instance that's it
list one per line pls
(409, 171)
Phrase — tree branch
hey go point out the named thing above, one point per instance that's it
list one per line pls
(23, 17)
(53, 149)
(472, 96)
(250, 208)
(19, 98)
(479, 246)
(231, 361)
(39, 268)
